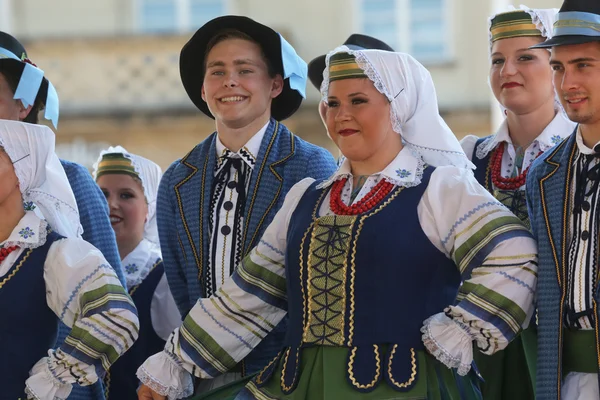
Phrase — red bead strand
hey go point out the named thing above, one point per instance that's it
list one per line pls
(371, 199)
(5, 251)
(498, 180)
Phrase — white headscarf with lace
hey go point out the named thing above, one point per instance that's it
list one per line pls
(42, 179)
(150, 174)
(414, 107)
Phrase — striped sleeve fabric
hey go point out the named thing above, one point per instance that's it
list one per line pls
(86, 294)
(221, 330)
(497, 258)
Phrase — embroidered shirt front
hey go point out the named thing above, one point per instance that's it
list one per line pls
(233, 171)
(582, 253)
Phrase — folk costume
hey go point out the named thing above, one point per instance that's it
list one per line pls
(49, 274)
(562, 193)
(146, 281)
(502, 169)
(214, 204)
(93, 210)
(355, 330)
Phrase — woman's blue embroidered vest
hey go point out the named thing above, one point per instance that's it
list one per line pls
(361, 282)
(121, 382)
(29, 327)
(514, 200)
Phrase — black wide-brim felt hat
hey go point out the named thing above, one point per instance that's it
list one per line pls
(191, 62)
(11, 44)
(356, 41)
(586, 6)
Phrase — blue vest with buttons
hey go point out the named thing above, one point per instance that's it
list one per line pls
(362, 282)
(29, 327)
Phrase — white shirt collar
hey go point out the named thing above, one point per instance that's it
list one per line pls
(406, 169)
(559, 128)
(583, 149)
(137, 264)
(29, 233)
(248, 152)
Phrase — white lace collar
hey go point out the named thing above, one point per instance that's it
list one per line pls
(558, 129)
(137, 264)
(29, 233)
(405, 170)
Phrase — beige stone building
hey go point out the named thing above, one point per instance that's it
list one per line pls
(115, 62)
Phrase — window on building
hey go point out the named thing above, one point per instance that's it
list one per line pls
(418, 27)
(171, 16)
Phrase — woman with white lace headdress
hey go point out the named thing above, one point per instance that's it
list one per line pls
(521, 80)
(48, 273)
(130, 184)
(368, 264)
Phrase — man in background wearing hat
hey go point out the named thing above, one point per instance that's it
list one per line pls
(24, 92)
(563, 196)
(215, 203)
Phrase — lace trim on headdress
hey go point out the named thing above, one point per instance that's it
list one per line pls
(369, 70)
(486, 147)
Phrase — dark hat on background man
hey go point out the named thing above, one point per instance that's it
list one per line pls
(277, 50)
(356, 41)
(577, 22)
(31, 79)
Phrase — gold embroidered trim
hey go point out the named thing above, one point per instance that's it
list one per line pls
(545, 210)
(107, 384)
(182, 214)
(377, 371)
(259, 379)
(304, 299)
(353, 258)
(413, 373)
(17, 268)
(325, 325)
(554, 254)
(262, 166)
(287, 354)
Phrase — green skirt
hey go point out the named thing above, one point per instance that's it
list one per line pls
(323, 376)
(510, 374)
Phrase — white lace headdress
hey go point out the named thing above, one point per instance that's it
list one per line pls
(149, 174)
(414, 108)
(42, 179)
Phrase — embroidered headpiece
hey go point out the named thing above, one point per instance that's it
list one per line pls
(344, 66)
(115, 163)
(511, 24)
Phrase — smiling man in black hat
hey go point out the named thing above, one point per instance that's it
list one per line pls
(564, 207)
(215, 203)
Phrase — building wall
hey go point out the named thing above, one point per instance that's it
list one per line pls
(461, 83)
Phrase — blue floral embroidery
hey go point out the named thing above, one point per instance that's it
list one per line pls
(29, 206)
(26, 233)
(556, 139)
(403, 173)
(131, 268)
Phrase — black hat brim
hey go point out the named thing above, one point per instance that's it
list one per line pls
(16, 67)
(315, 71)
(566, 40)
(192, 60)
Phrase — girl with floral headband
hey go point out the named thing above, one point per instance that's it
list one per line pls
(368, 264)
(130, 184)
(48, 273)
